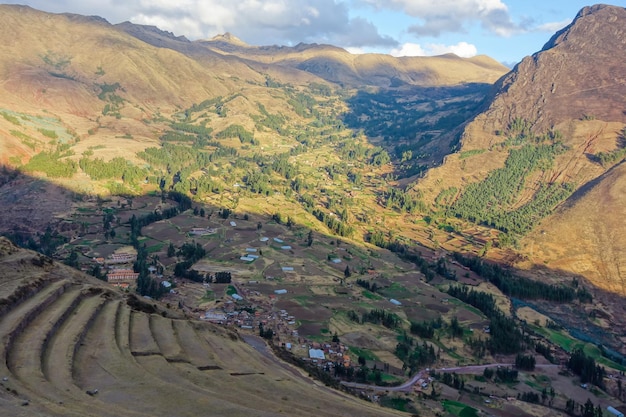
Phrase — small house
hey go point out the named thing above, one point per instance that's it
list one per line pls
(316, 354)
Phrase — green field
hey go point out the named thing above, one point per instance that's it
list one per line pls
(366, 353)
(401, 404)
(459, 409)
(370, 295)
(569, 344)
(396, 290)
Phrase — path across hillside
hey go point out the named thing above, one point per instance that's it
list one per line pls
(423, 374)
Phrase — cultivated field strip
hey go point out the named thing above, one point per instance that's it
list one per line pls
(61, 347)
(142, 341)
(25, 358)
(121, 328)
(19, 317)
(195, 349)
(99, 362)
(164, 334)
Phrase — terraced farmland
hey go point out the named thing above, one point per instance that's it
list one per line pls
(72, 346)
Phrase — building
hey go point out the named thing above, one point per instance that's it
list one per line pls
(202, 231)
(614, 412)
(121, 258)
(215, 316)
(316, 354)
(122, 277)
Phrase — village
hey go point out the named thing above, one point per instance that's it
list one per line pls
(308, 295)
(252, 311)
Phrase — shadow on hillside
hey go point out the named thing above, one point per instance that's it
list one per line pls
(417, 126)
(582, 321)
(41, 215)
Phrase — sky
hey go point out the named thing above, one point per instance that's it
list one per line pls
(506, 30)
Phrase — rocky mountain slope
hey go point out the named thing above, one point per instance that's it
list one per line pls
(572, 93)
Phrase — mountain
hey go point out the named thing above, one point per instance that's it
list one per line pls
(329, 62)
(567, 100)
(339, 66)
(423, 212)
(116, 90)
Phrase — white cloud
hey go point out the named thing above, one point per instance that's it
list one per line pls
(409, 49)
(552, 27)
(437, 17)
(462, 49)
(356, 51)
(259, 22)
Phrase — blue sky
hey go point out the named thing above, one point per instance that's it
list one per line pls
(506, 30)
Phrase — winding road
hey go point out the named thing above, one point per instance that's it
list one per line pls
(423, 374)
(259, 344)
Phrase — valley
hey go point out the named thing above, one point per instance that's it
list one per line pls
(271, 229)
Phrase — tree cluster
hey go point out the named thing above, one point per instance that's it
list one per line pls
(506, 336)
(52, 164)
(501, 374)
(414, 355)
(370, 286)
(117, 168)
(451, 379)
(403, 201)
(525, 362)
(333, 223)
(492, 201)
(521, 287)
(380, 316)
(586, 368)
(426, 329)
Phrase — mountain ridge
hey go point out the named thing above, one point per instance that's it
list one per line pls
(572, 90)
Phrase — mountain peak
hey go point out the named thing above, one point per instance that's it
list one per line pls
(590, 19)
(575, 75)
(150, 34)
(228, 38)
